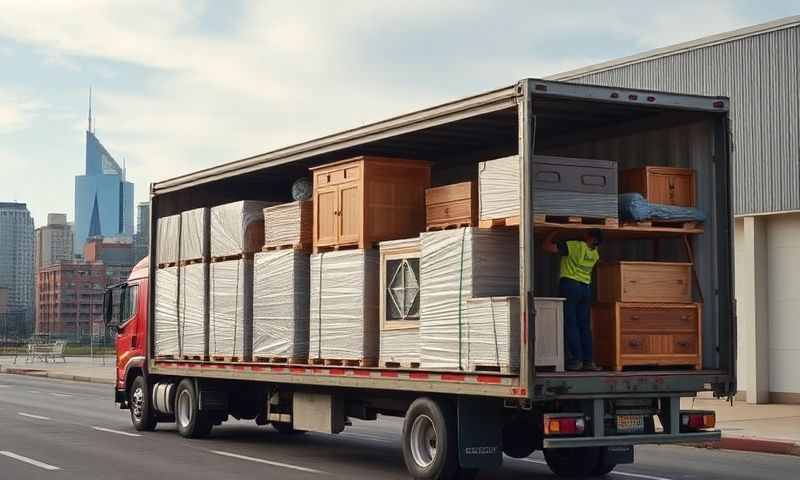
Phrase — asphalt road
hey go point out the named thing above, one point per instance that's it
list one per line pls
(67, 430)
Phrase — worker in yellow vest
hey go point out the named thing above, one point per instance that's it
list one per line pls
(578, 258)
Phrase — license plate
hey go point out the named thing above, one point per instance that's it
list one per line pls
(630, 423)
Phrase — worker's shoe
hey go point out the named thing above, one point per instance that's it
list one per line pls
(592, 367)
(574, 365)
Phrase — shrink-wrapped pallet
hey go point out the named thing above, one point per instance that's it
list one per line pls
(167, 338)
(281, 304)
(231, 308)
(192, 308)
(193, 234)
(237, 227)
(289, 224)
(562, 187)
(168, 234)
(457, 265)
(343, 321)
(399, 303)
(493, 333)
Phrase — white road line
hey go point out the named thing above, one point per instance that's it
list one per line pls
(31, 461)
(118, 432)
(267, 462)
(4, 386)
(61, 394)
(30, 415)
(615, 472)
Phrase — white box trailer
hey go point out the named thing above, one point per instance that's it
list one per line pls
(486, 412)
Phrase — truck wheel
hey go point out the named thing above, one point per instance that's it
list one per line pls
(603, 467)
(430, 441)
(572, 462)
(139, 404)
(190, 420)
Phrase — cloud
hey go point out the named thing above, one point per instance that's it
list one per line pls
(17, 111)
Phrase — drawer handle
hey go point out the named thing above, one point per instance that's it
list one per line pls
(635, 343)
(635, 317)
(683, 344)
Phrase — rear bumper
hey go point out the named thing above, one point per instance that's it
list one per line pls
(655, 439)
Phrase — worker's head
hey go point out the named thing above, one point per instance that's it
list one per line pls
(593, 237)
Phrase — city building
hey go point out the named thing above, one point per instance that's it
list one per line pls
(757, 68)
(141, 240)
(16, 266)
(115, 253)
(70, 299)
(103, 197)
(3, 316)
(53, 242)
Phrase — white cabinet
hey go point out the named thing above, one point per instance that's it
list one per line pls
(549, 332)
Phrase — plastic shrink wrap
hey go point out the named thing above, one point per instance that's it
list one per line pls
(192, 308)
(493, 333)
(168, 238)
(237, 227)
(457, 265)
(344, 306)
(167, 339)
(231, 308)
(289, 224)
(281, 304)
(193, 234)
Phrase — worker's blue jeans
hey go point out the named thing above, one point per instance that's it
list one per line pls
(577, 327)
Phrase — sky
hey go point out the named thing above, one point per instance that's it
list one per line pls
(183, 85)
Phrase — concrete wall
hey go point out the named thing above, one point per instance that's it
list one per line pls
(767, 255)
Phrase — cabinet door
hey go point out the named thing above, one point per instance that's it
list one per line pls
(671, 189)
(326, 205)
(349, 213)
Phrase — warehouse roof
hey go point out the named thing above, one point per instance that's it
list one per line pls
(780, 24)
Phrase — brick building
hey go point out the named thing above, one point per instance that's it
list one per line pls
(70, 297)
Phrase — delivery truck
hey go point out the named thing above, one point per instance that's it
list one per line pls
(418, 286)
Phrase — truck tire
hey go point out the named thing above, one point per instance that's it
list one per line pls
(573, 462)
(190, 420)
(430, 441)
(139, 404)
(604, 467)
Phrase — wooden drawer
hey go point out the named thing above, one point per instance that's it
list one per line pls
(658, 319)
(648, 282)
(334, 177)
(665, 185)
(451, 205)
(655, 344)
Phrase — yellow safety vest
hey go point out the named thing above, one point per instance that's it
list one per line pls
(579, 262)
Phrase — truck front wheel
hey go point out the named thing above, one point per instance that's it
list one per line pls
(190, 420)
(139, 404)
(573, 462)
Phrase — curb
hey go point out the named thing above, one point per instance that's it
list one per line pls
(754, 444)
(58, 376)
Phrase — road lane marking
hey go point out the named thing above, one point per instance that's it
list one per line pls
(4, 386)
(31, 461)
(118, 432)
(267, 462)
(30, 415)
(61, 394)
(615, 472)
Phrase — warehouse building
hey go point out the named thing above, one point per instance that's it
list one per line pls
(759, 69)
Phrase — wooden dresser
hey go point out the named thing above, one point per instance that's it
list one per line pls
(645, 334)
(665, 185)
(453, 205)
(667, 282)
(362, 200)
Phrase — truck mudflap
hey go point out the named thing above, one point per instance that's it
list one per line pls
(617, 440)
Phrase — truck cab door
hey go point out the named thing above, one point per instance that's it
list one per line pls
(122, 312)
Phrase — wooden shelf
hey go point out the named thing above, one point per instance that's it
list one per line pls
(614, 232)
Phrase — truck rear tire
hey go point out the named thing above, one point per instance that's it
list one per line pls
(190, 420)
(604, 467)
(573, 462)
(140, 407)
(430, 441)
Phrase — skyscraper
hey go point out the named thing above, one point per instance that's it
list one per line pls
(54, 241)
(103, 197)
(141, 241)
(16, 265)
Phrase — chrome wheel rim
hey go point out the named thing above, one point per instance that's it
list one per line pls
(137, 402)
(424, 441)
(185, 408)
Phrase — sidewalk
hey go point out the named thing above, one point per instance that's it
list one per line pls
(756, 428)
(81, 369)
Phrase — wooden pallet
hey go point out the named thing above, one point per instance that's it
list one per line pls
(448, 226)
(342, 362)
(167, 264)
(168, 357)
(193, 261)
(288, 360)
(499, 222)
(296, 246)
(505, 369)
(663, 224)
(202, 358)
(227, 358)
(609, 222)
(335, 248)
(238, 256)
(405, 365)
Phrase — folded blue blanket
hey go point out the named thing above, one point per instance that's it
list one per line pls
(634, 207)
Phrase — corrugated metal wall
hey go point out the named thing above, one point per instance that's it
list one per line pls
(761, 75)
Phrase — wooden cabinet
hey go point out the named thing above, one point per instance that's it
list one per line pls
(665, 185)
(453, 205)
(363, 200)
(667, 282)
(640, 334)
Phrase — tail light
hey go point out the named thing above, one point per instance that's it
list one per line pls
(692, 420)
(564, 424)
